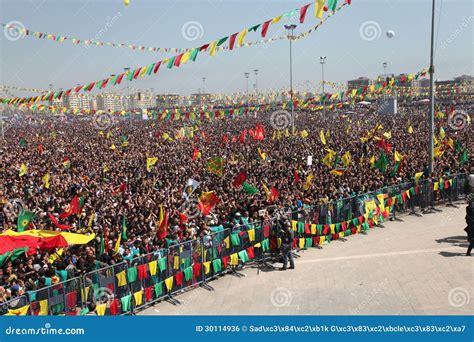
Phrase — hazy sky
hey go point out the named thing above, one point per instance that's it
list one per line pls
(34, 63)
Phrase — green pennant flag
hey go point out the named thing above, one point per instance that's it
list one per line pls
(194, 54)
(24, 219)
(250, 189)
(13, 255)
(150, 69)
(395, 169)
(102, 242)
(457, 146)
(114, 79)
(222, 41)
(382, 162)
(124, 229)
(171, 62)
(159, 289)
(22, 142)
(464, 157)
(217, 265)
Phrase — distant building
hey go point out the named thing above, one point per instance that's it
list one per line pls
(109, 102)
(462, 84)
(200, 99)
(168, 100)
(77, 101)
(359, 83)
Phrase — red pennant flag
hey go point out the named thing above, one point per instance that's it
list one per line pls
(232, 40)
(303, 12)
(57, 224)
(273, 194)
(385, 145)
(242, 136)
(40, 148)
(195, 153)
(122, 188)
(239, 179)
(259, 133)
(119, 79)
(296, 177)
(73, 208)
(163, 228)
(157, 66)
(265, 28)
(225, 139)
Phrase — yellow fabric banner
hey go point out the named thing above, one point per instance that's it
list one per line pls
(138, 296)
(43, 305)
(294, 225)
(121, 279)
(301, 243)
(100, 309)
(152, 267)
(251, 233)
(207, 267)
(234, 259)
(176, 262)
(169, 282)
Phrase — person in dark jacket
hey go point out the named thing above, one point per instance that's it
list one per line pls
(470, 226)
(286, 241)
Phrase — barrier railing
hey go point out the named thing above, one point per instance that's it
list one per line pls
(126, 287)
(145, 276)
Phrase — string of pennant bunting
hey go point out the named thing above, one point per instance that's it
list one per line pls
(235, 40)
(20, 31)
(344, 98)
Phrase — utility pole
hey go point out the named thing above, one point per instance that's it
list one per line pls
(290, 29)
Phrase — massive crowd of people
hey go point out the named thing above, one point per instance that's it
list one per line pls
(107, 167)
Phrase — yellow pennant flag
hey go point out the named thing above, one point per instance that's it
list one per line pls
(304, 134)
(113, 147)
(410, 130)
(398, 157)
(438, 152)
(322, 137)
(213, 48)
(418, 176)
(117, 244)
(307, 184)
(261, 154)
(387, 135)
(346, 159)
(46, 180)
(23, 170)
(242, 37)
(372, 161)
(318, 8)
(126, 2)
(150, 162)
(442, 133)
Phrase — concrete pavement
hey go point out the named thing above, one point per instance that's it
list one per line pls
(415, 267)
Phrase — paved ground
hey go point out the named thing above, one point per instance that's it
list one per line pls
(413, 267)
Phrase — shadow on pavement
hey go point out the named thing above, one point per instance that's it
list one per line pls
(451, 254)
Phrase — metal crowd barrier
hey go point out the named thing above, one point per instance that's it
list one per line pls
(128, 286)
